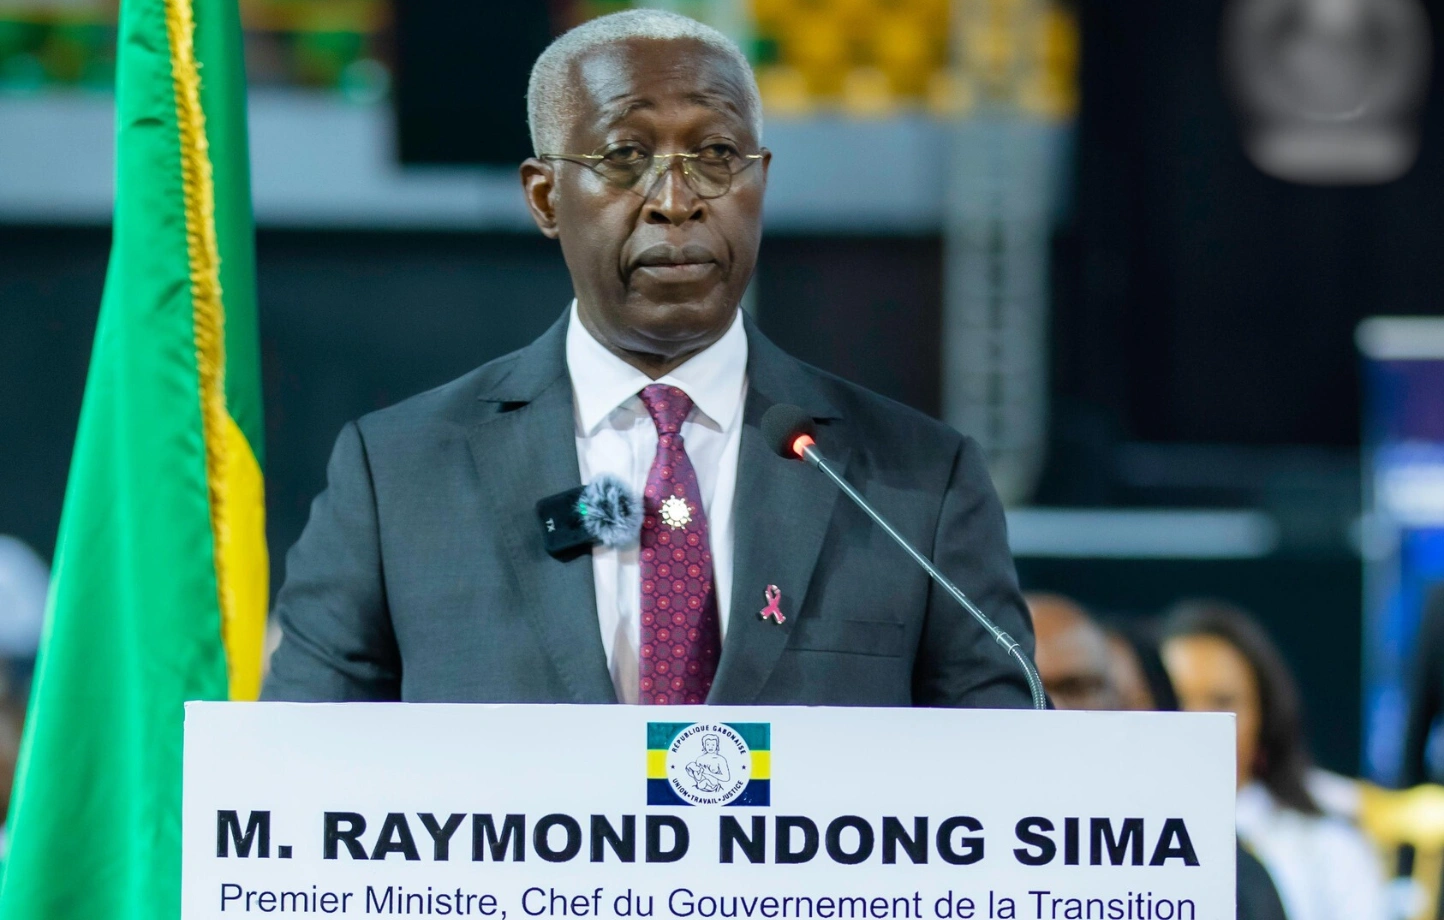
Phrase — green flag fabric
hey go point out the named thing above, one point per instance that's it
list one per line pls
(159, 583)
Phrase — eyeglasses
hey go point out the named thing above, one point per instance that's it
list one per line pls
(708, 171)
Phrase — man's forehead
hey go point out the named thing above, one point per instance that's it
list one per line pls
(618, 79)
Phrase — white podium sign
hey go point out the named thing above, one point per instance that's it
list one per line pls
(646, 813)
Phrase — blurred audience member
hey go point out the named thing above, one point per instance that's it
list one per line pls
(1258, 896)
(1071, 654)
(1126, 671)
(1137, 668)
(1220, 660)
(24, 581)
(1084, 667)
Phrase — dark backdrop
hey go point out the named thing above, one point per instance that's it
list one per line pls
(461, 78)
(1201, 300)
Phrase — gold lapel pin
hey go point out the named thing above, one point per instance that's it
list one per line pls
(675, 512)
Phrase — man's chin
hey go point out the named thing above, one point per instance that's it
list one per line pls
(683, 319)
(676, 289)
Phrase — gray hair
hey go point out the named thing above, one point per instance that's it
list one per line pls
(549, 106)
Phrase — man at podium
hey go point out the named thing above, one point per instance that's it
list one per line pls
(423, 572)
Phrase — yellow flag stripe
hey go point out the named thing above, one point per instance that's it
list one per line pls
(233, 478)
(243, 628)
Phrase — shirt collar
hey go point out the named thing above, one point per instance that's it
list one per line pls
(601, 382)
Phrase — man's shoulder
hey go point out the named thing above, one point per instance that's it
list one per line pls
(477, 395)
(461, 402)
(876, 420)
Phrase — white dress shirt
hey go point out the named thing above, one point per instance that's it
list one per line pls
(616, 435)
(1322, 865)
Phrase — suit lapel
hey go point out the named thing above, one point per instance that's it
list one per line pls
(783, 510)
(525, 452)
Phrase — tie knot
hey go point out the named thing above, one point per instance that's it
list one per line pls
(668, 406)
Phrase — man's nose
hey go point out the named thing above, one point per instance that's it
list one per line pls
(671, 200)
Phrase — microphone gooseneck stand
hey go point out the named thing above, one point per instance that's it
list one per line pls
(814, 458)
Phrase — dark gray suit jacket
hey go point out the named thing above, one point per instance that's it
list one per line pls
(421, 574)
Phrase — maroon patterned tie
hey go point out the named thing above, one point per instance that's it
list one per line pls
(681, 632)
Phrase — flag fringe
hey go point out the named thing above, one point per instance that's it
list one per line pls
(207, 308)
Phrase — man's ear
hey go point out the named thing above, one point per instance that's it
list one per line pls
(538, 183)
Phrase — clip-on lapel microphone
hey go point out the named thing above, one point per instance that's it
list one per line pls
(604, 511)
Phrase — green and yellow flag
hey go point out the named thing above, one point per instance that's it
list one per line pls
(160, 581)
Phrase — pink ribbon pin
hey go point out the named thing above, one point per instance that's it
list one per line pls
(772, 610)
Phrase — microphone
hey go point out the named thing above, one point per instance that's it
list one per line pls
(604, 511)
(789, 431)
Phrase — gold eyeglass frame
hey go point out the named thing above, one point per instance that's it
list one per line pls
(591, 160)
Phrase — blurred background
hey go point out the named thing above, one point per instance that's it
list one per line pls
(1128, 245)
